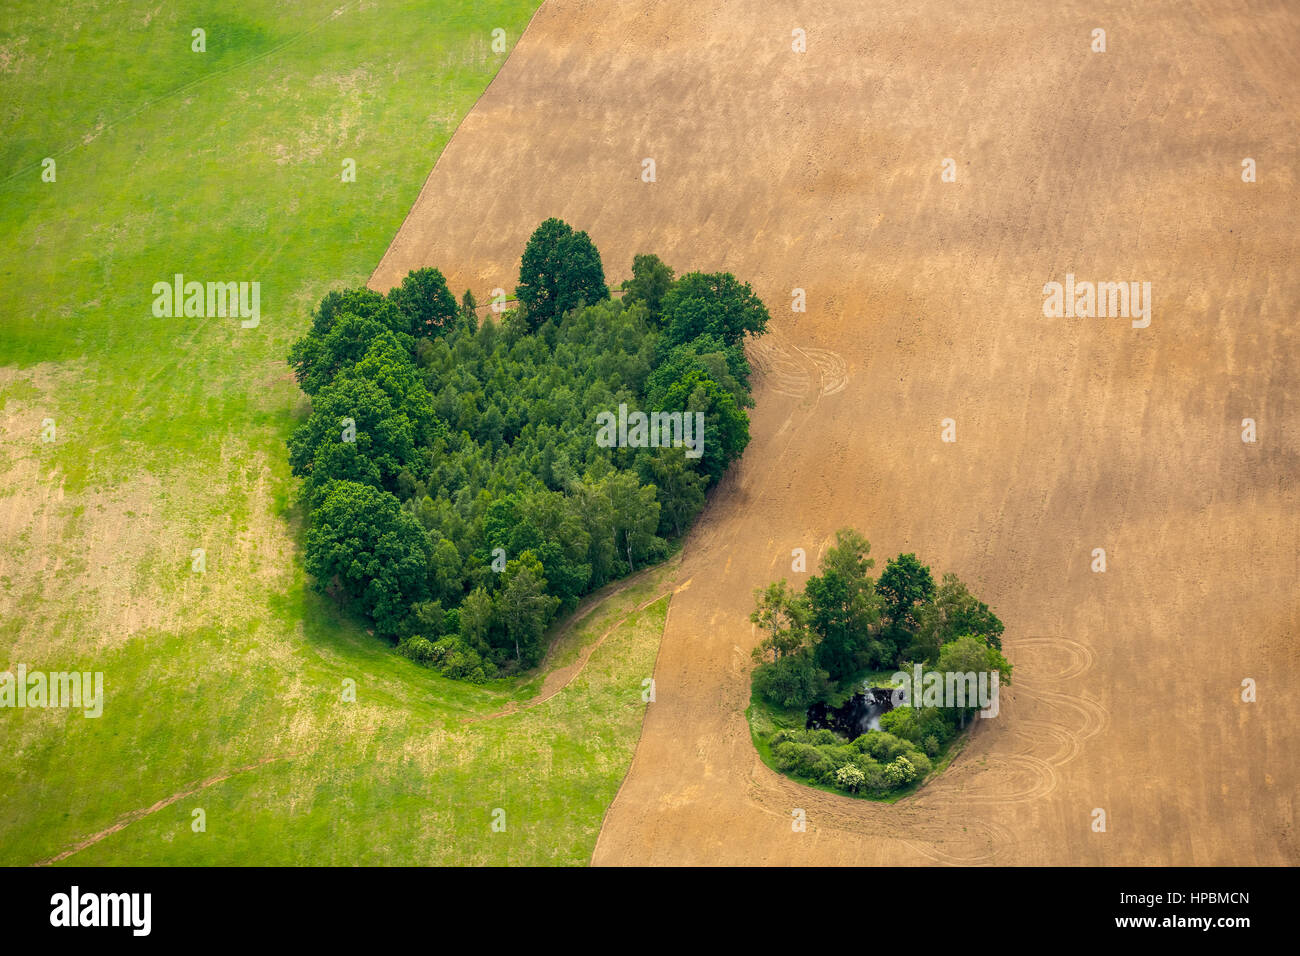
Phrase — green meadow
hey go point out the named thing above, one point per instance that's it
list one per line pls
(135, 449)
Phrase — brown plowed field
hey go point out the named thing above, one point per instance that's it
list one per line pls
(821, 171)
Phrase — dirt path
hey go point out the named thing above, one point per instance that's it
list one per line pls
(127, 819)
(554, 682)
(821, 171)
(560, 678)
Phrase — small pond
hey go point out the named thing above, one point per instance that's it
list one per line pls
(860, 713)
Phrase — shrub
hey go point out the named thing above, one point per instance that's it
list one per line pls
(417, 649)
(782, 735)
(873, 775)
(790, 681)
(920, 761)
(883, 746)
(931, 721)
(458, 660)
(900, 773)
(850, 778)
(839, 753)
(803, 760)
(902, 722)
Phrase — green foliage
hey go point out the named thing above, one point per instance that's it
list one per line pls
(921, 763)
(791, 677)
(485, 434)
(712, 304)
(560, 269)
(363, 303)
(784, 617)
(525, 607)
(918, 724)
(845, 608)
(320, 356)
(366, 425)
(818, 756)
(952, 612)
(816, 645)
(970, 653)
(363, 543)
(451, 657)
(794, 680)
(726, 426)
(678, 488)
(804, 760)
(883, 746)
(817, 737)
(905, 584)
(478, 619)
(900, 772)
(708, 355)
(417, 649)
(903, 723)
(469, 311)
(455, 659)
(850, 777)
(650, 282)
(424, 297)
(854, 623)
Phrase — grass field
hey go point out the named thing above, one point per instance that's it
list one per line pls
(169, 436)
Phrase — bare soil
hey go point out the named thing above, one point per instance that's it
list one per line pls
(821, 171)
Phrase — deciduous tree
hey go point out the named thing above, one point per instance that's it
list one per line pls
(650, 282)
(361, 541)
(714, 303)
(525, 607)
(560, 268)
(428, 304)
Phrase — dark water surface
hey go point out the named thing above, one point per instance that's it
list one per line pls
(860, 713)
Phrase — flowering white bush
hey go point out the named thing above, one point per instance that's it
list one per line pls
(850, 777)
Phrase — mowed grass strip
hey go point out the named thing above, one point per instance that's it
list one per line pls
(225, 166)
